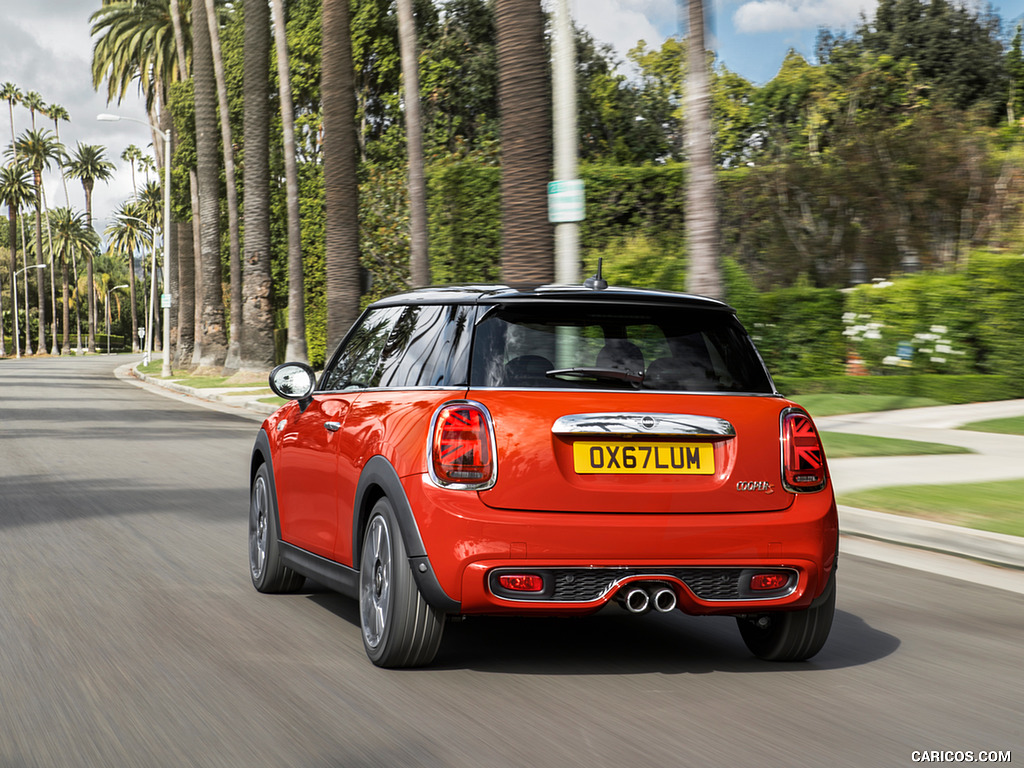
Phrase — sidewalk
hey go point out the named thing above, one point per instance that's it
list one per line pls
(995, 457)
(998, 457)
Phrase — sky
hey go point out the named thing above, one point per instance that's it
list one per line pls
(45, 46)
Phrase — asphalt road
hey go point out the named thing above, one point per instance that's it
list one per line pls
(131, 636)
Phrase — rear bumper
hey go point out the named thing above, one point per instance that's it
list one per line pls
(466, 541)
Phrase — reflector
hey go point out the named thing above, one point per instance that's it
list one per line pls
(768, 581)
(521, 582)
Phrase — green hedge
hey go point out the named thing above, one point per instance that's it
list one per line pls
(974, 388)
(997, 307)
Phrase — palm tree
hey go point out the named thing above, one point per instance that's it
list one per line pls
(212, 344)
(89, 165)
(151, 202)
(127, 235)
(33, 103)
(10, 93)
(703, 276)
(38, 149)
(341, 201)
(141, 41)
(234, 352)
(296, 347)
(132, 155)
(527, 239)
(134, 46)
(187, 230)
(58, 114)
(257, 352)
(15, 191)
(419, 259)
(67, 235)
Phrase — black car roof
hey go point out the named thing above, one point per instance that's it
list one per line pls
(501, 294)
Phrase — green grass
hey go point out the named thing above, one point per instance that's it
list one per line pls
(840, 445)
(985, 506)
(279, 401)
(1009, 426)
(833, 405)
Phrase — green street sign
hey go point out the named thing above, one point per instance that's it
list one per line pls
(566, 201)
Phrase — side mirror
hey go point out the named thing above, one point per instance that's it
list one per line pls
(294, 381)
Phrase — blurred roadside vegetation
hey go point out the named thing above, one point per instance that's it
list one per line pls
(900, 151)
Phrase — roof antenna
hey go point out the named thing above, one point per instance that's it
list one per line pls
(596, 282)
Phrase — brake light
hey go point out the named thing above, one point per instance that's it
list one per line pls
(462, 447)
(803, 458)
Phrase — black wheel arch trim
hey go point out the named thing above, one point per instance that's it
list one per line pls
(378, 479)
(261, 455)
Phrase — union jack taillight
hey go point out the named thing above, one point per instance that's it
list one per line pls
(462, 447)
(803, 458)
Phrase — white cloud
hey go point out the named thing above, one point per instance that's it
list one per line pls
(778, 15)
(623, 23)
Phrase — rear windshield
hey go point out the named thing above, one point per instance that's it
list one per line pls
(585, 346)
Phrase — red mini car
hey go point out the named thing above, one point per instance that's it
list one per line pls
(485, 450)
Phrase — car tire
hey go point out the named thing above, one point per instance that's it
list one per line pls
(791, 635)
(399, 627)
(265, 568)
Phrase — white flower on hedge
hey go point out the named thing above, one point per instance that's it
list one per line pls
(938, 359)
(891, 360)
(944, 349)
(939, 329)
(849, 317)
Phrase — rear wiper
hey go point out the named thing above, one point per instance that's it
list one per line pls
(601, 374)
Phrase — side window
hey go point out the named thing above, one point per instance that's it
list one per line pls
(425, 348)
(356, 365)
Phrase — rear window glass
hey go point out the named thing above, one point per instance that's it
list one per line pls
(586, 346)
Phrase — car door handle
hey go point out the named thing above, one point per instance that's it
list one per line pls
(332, 426)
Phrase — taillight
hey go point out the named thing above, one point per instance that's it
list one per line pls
(462, 447)
(803, 458)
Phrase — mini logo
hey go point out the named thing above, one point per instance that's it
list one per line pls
(648, 422)
(755, 485)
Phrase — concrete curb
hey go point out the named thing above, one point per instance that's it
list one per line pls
(988, 547)
(983, 546)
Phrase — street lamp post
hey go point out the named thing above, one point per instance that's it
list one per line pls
(106, 303)
(14, 291)
(165, 299)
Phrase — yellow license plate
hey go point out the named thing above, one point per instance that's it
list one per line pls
(629, 458)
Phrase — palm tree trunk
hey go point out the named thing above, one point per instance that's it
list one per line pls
(527, 238)
(213, 337)
(703, 276)
(91, 288)
(65, 295)
(341, 197)
(296, 348)
(233, 358)
(41, 289)
(190, 310)
(185, 346)
(132, 304)
(24, 261)
(12, 216)
(419, 257)
(258, 353)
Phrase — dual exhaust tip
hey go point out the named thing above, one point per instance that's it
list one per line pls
(640, 599)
